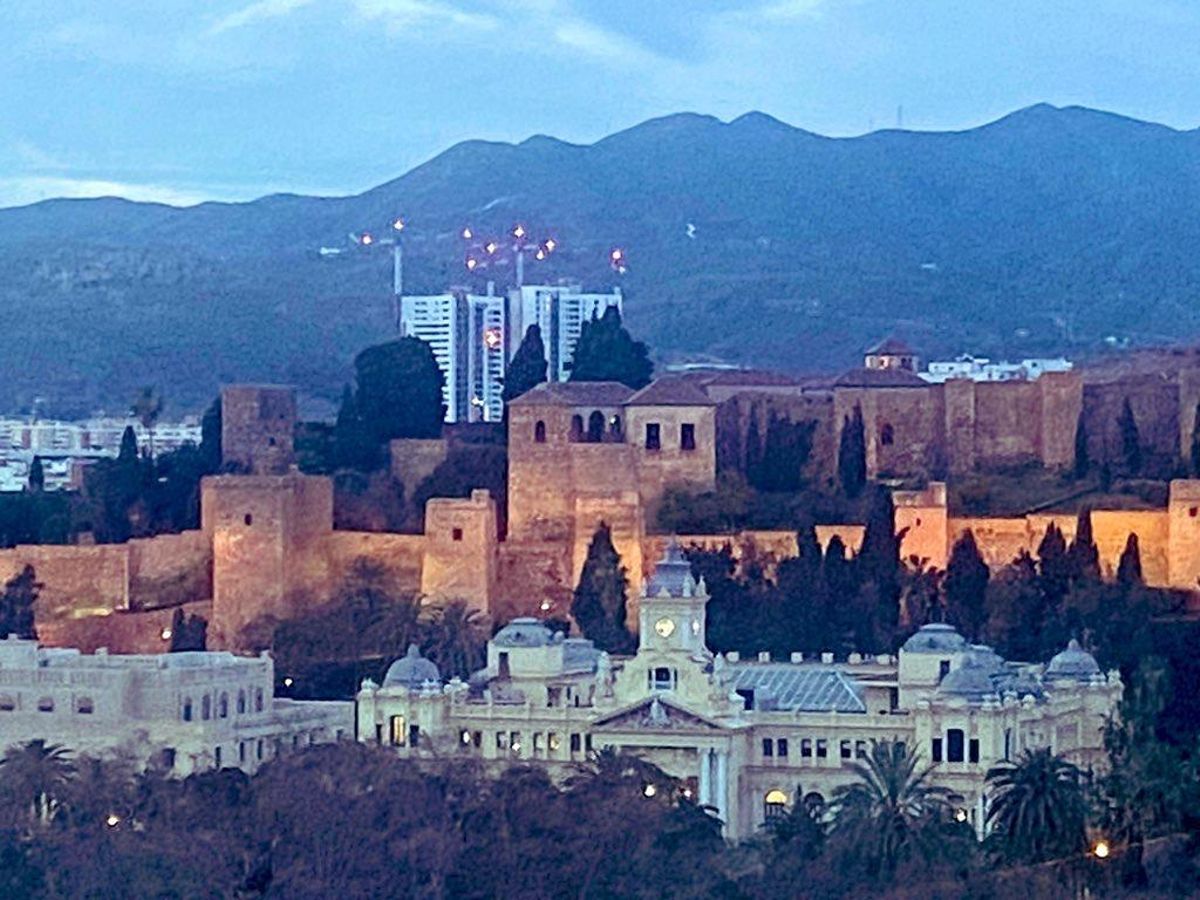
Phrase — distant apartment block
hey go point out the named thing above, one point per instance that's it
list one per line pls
(978, 368)
(559, 311)
(473, 336)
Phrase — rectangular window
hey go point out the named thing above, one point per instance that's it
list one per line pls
(781, 747)
(845, 749)
(822, 748)
(501, 740)
(653, 436)
(399, 731)
(514, 742)
(860, 749)
(806, 748)
(575, 742)
(768, 746)
(217, 756)
(973, 750)
(241, 751)
(537, 743)
(587, 743)
(456, 534)
(553, 742)
(937, 750)
(378, 733)
(687, 436)
(954, 745)
(414, 735)
(943, 669)
(477, 738)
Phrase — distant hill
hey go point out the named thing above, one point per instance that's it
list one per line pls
(1045, 231)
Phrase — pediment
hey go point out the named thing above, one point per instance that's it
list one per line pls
(655, 714)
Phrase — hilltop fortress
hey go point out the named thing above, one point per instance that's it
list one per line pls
(584, 453)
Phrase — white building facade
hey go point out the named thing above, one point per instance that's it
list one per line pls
(179, 712)
(559, 311)
(747, 738)
(978, 368)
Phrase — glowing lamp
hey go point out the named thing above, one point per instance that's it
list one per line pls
(492, 338)
(113, 820)
(472, 262)
(467, 234)
(398, 224)
(367, 239)
(649, 790)
(1101, 850)
(519, 232)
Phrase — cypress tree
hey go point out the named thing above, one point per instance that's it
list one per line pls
(754, 450)
(1129, 569)
(128, 453)
(606, 352)
(1131, 443)
(16, 604)
(210, 437)
(528, 367)
(1083, 555)
(802, 590)
(1053, 567)
(852, 454)
(878, 563)
(1082, 462)
(600, 598)
(841, 587)
(354, 446)
(37, 476)
(966, 584)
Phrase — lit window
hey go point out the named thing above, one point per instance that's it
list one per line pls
(501, 740)
(514, 742)
(537, 743)
(553, 742)
(775, 805)
(399, 733)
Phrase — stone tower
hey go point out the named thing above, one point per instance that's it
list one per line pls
(258, 424)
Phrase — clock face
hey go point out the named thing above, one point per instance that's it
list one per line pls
(665, 627)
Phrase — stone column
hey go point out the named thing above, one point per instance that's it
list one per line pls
(722, 786)
(704, 797)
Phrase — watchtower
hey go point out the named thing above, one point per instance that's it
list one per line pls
(258, 424)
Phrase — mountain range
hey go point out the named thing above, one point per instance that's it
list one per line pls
(1051, 230)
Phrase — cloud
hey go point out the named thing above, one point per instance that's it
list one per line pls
(791, 9)
(257, 12)
(399, 15)
(604, 45)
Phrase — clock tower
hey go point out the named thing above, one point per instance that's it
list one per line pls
(671, 611)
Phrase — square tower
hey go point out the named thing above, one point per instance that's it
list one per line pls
(258, 425)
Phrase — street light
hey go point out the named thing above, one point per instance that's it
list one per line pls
(366, 239)
(1101, 849)
(618, 261)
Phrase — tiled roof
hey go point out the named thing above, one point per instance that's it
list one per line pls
(575, 393)
(671, 391)
(879, 378)
(891, 346)
(788, 686)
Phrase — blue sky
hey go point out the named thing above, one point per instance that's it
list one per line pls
(184, 100)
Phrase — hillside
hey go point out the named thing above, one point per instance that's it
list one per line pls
(1044, 231)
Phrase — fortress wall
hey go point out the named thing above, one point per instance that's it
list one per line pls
(851, 535)
(1155, 400)
(735, 413)
(413, 460)
(170, 569)
(1062, 401)
(533, 579)
(120, 632)
(77, 580)
(1008, 418)
(460, 549)
(540, 478)
(398, 556)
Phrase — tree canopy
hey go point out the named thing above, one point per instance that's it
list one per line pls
(606, 352)
(400, 390)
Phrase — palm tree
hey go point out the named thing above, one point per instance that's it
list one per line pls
(34, 778)
(457, 638)
(891, 812)
(147, 407)
(1038, 810)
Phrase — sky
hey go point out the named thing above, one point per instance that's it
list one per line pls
(181, 101)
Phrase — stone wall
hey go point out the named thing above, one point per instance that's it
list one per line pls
(258, 424)
(460, 551)
(413, 460)
(77, 580)
(120, 632)
(398, 558)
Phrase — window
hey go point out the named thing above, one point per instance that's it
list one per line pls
(845, 749)
(501, 740)
(248, 519)
(553, 742)
(258, 700)
(223, 706)
(539, 432)
(503, 664)
(46, 704)
(399, 733)
(217, 757)
(378, 737)
(768, 746)
(781, 747)
(241, 751)
(614, 427)
(860, 749)
(595, 429)
(1007, 743)
(653, 436)
(587, 743)
(84, 706)
(775, 805)
(456, 534)
(477, 739)
(514, 741)
(954, 745)
(943, 669)
(414, 735)
(806, 748)
(258, 750)
(887, 435)
(822, 748)
(662, 679)
(937, 750)
(973, 750)
(575, 742)
(7, 703)
(538, 747)
(576, 428)
(687, 436)
(166, 758)
(241, 702)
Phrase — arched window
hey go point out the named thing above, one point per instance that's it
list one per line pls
(187, 709)
(539, 432)
(206, 708)
(814, 802)
(887, 435)
(223, 706)
(576, 427)
(241, 702)
(84, 706)
(595, 432)
(46, 704)
(258, 700)
(775, 805)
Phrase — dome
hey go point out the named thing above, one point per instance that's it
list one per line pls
(936, 637)
(673, 574)
(411, 670)
(523, 632)
(1074, 662)
(972, 679)
(992, 660)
